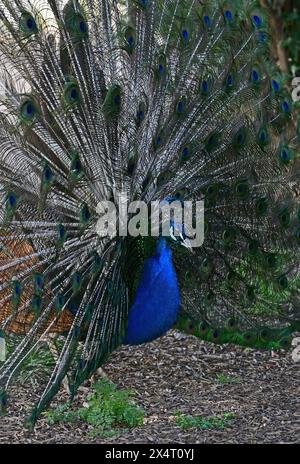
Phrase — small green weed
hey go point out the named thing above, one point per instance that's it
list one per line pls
(204, 423)
(109, 410)
(224, 379)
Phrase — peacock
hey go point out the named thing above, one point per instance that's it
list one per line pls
(165, 100)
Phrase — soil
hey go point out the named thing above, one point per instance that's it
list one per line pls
(180, 373)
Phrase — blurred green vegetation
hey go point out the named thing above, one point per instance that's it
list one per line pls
(291, 21)
(285, 21)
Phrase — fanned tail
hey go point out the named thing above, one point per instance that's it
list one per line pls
(168, 99)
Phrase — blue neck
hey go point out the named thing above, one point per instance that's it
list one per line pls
(156, 305)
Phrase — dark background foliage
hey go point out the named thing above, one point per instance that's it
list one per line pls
(285, 22)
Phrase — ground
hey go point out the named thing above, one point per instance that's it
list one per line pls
(180, 373)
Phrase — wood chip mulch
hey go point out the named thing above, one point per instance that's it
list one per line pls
(179, 373)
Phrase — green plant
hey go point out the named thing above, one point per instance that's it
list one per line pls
(38, 364)
(61, 414)
(204, 423)
(35, 367)
(108, 411)
(224, 379)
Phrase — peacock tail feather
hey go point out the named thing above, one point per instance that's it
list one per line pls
(158, 99)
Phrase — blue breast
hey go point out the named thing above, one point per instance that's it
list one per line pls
(156, 305)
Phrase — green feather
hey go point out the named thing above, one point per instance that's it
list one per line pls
(75, 21)
(113, 102)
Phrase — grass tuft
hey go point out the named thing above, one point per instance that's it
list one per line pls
(204, 423)
(227, 379)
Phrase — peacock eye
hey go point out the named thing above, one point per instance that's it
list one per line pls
(229, 81)
(141, 112)
(231, 322)
(71, 94)
(161, 66)
(284, 342)
(97, 260)
(181, 106)
(27, 24)
(74, 94)
(203, 326)
(262, 206)
(264, 333)
(117, 100)
(205, 86)
(30, 23)
(85, 214)
(130, 40)
(77, 26)
(12, 200)
(206, 267)
(48, 173)
(109, 286)
(255, 75)
(61, 231)
(262, 37)
(226, 234)
(283, 282)
(228, 15)
(209, 297)
(240, 138)
(185, 35)
(17, 288)
(285, 107)
(28, 111)
(186, 153)
(242, 189)
(77, 165)
(29, 108)
(207, 20)
(257, 21)
(275, 85)
(82, 26)
(285, 218)
(262, 136)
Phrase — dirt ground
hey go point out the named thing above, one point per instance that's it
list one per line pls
(179, 373)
